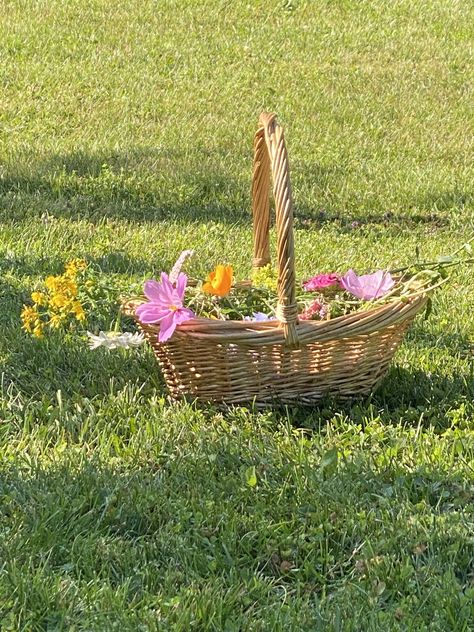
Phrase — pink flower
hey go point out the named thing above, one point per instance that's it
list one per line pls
(165, 305)
(368, 286)
(315, 309)
(320, 281)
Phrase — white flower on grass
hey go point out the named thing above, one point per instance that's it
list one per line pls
(115, 340)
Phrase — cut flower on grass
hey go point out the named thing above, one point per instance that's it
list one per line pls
(115, 340)
(57, 303)
(79, 298)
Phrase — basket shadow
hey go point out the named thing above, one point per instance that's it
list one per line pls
(140, 184)
(433, 209)
(406, 395)
(430, 393)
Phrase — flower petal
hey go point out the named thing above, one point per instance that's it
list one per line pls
(386, 285)
(167, 327)
(176, 269)
(219, 281)
(349, 283)
(321, 281)
(150, 313)
(182, 315)
(368, 286)
(181, 285)
(168, 294)
(152, 290)
(95, 341)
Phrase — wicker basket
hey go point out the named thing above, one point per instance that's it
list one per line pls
(280, 361)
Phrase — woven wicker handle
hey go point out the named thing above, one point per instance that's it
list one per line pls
(270, 155)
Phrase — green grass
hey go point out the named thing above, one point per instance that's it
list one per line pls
(126, 135)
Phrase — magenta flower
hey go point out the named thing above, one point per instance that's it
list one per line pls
(368, 286)
(165, 305)
(321, 281)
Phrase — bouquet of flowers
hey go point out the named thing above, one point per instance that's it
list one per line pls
(73, 299)
(175, 299)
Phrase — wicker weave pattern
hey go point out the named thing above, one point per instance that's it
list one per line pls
(280, 361)
(270, 153)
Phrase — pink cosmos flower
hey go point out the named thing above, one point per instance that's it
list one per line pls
(165, 305)
(321, 281)
(368, 286)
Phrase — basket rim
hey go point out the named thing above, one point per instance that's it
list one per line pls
(361, 322)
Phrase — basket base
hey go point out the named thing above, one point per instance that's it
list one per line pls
(272, 375)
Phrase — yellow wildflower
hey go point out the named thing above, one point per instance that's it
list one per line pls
(51, 282)
(265, 277)
(74, 266)
(39, 298)
(59, 300)
(66, 286)
(31, 321)
(78, 311)
(29, 317)
(70, 287)
(56, 320)
(38, 330)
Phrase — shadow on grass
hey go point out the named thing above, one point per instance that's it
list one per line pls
(433, 209)
(152, 184)
(142, 184)
(64, 362)
(170, 523)
(114, 262)
(423, 395)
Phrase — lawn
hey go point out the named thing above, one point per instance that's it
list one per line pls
(126, 136)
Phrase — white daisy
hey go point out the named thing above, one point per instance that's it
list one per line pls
(115, 340)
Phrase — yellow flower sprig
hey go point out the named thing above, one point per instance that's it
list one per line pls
(265, 277)
(56, 303)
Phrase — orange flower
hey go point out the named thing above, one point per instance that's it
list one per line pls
(219, 281)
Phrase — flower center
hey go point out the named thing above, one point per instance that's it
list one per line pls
(173, 308)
